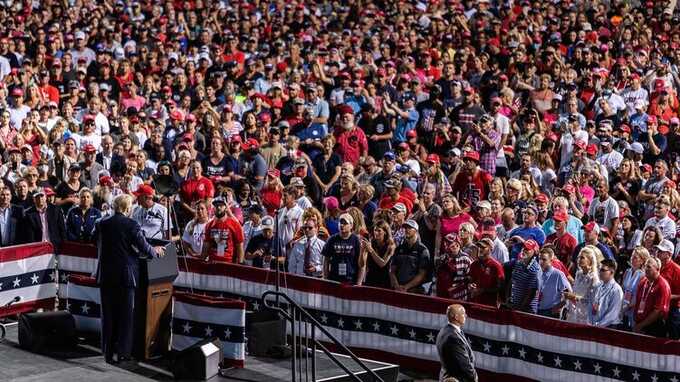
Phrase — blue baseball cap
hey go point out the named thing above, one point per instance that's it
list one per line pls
(389, 155)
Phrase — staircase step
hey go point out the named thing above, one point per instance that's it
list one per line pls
(278, 370)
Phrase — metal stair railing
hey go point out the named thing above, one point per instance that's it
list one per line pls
(299, 316)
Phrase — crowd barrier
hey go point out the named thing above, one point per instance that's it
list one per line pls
(401, 328)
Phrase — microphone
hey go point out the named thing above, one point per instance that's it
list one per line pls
(12, 301)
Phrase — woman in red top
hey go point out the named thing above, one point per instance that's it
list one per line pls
(452, 217)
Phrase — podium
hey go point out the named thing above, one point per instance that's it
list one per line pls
(153, 302)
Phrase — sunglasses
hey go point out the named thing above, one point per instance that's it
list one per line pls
(604, 270)
(344, 222)
(308, 227)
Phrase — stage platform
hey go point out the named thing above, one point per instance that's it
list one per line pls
(87, 364)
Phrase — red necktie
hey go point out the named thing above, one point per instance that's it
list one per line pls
(308, 255)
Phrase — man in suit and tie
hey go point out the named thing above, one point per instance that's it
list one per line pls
(43, 221)
(10, 217)
(120, 244)
(455, 353)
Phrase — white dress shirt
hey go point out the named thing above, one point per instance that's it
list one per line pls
(296, 257)
(289, 221)
(4, 225)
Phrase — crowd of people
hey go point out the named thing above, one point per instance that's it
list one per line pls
(520, 154)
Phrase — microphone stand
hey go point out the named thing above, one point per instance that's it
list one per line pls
(277, 253)
(4, 325)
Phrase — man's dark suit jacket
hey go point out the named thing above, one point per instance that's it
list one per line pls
(31, 226)
(120, 243)
(455, 355)
(16, 214)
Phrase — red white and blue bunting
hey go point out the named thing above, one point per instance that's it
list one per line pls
(27, 273)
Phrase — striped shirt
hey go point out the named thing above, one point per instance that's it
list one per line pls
(524, 278)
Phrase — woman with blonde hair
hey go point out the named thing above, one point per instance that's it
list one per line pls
(586, 280)
(466, 237)
(626, 183)
(629, 284)
(548, 175)
(496, 189)
(359, 227)
(670, 190)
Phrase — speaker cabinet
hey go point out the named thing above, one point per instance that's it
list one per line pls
(200, 361)
(47, 331)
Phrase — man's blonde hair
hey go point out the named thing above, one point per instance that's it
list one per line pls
(123, 204)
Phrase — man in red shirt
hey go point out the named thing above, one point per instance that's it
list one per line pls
(223, 235)
(351, 141)
(486, 275)
(652, 301)
(562, 241)
(393, 195)
(670, 271)
(471, 184)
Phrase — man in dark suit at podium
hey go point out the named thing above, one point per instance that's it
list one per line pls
(455, 353)
(120, 244)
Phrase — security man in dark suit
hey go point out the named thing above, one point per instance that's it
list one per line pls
(455, 353)
(10, 217)
(32, 228)
(120, 244)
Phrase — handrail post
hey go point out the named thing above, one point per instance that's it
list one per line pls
(313, 353)
(294, 307)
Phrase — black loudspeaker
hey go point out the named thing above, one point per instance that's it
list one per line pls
(200, 361)
(267, 338)
(47, 331)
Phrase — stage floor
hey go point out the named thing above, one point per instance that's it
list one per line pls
(87, 364)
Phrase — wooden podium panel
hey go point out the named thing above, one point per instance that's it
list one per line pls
(155, 326)
(153, 303)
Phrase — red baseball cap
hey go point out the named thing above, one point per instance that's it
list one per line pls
(651, 120)
(89, 148)
(144, 190)
(560, 216)
(251, 144)
(411, 134)
(569, 188)
(542, 198)
(345, 109)
(472, 155)
(591, 226)
(106, 181)
(176, 115)
(531, 245)
(433, 158)
(591, 149)
(49, 191)
(18, 92)
(580, 144)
